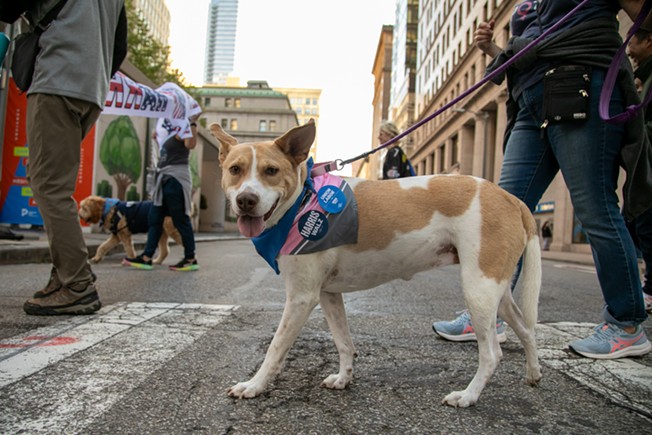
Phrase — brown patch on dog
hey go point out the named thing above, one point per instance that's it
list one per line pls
(377, 202)
(506, 223)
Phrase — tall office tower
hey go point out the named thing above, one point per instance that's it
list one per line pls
(220, 40)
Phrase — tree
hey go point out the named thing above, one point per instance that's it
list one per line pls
(147, 54)
(120, 153)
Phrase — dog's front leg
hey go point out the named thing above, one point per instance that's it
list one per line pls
(299, 304)
(105, 247)
(335, 313)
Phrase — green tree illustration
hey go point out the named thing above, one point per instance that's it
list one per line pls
(120, 153)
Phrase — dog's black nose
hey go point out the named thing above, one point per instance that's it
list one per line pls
(247, 201)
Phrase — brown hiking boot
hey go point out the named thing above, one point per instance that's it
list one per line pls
(53, 285)
(65, 301)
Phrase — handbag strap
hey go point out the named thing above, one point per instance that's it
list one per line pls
(49, 17)
(612, 74)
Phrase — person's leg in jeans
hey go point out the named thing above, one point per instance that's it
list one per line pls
(643, 225)
(174, 201)
(154, 229)
(589, 160)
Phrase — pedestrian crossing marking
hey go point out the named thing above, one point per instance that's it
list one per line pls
(117, 349)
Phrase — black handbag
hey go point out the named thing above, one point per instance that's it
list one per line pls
(26, 49)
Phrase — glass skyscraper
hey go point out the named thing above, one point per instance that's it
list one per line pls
(220, 40)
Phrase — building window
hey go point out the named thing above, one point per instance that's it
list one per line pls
(228, 102)
(237, 102)
(262, 125)
(299, 111)
(442, 158)
(207, 101)
(272, 125)
(234, 124)
(454, 150)
(224, 123)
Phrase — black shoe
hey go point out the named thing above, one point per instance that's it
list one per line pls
(138, 263)
(65, 301)
(185, 265)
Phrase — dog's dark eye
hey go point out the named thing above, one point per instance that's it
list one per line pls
(270, 170)
(234, 170)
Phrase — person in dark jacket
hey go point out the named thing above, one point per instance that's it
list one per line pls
(544, 137)
(396, 163)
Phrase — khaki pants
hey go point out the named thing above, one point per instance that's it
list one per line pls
(56, 126)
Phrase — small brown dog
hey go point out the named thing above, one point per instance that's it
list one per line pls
(121, 220)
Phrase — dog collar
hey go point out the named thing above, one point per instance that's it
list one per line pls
(109, 203)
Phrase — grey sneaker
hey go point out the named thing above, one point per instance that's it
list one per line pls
(611, 342)
(65, 301)
(461, 329)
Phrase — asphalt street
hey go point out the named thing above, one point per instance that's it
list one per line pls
(160, 355)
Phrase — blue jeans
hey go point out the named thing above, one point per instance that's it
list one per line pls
(642, 234)
(587, 153)
(174, 206)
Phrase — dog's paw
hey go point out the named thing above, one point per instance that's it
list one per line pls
(244, 390)
(336, 382)
(533, 377)
(459, 399)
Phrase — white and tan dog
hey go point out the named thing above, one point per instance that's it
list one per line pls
(405, 226)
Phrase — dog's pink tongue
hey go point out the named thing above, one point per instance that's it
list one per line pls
(251, 226)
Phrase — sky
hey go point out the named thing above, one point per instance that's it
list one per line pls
(324, 44)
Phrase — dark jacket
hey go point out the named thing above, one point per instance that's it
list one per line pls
(594, 43)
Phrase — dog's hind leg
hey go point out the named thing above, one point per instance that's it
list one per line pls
(482, 301)
(509, 311)
(335, 314)
(299, 304)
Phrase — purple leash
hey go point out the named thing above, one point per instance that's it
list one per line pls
(612, 74)
(336, 165)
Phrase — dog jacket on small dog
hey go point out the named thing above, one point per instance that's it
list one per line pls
(135, 212)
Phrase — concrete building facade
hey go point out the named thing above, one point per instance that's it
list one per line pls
(157, 16)
(305, 102)
(250, 114)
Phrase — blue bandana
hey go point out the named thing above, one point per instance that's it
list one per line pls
(108, 205)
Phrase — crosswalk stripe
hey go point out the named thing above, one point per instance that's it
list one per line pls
(129, 342)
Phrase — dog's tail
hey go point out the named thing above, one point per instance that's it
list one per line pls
(530, 272)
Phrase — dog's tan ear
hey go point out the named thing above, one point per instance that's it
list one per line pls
(226, 140)
(296, 142)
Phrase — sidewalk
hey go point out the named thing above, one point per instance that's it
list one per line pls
(33, 248)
